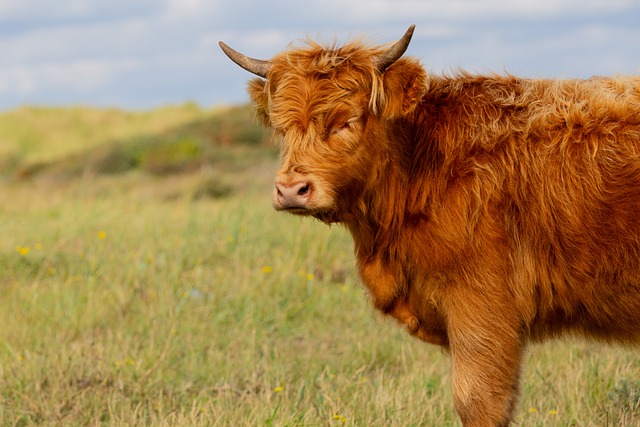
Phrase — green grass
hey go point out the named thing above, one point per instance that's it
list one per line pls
(127, 299)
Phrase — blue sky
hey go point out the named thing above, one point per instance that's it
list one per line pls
(140, 54)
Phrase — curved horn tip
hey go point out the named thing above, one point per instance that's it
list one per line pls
(256, 66)
(396, 51)
(409, 31)
(225, 48)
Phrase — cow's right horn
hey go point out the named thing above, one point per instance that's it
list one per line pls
(394, 53)
(256, 66)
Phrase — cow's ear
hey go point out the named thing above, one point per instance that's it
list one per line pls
(258, 93)
(403, 86)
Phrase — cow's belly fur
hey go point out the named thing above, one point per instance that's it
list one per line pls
(605, 305)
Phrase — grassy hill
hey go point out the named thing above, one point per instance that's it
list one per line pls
(214, 151)
(69, 142)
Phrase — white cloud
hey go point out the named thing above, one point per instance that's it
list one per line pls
(16, 81)
(76, 76)
(176, 9)
(384, 10)
(265, 39)
(56, 11)
(73, 42)
(26, 9)
(136, 52)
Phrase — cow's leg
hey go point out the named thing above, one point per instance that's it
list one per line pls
(486, 353)
(485, 386)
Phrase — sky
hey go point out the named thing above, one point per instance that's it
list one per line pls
(143, 54)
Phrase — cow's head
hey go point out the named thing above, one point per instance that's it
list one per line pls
(330, 106)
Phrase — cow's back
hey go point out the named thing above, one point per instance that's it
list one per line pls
(559, 162)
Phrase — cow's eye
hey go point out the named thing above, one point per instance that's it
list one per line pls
(344, 126)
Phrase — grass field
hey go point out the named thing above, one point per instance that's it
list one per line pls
(157, 296)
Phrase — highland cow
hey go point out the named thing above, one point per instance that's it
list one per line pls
(487, 211)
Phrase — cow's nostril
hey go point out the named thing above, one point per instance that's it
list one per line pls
(304, 190)
(293, 196)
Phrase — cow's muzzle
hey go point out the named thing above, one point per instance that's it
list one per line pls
(293, 196)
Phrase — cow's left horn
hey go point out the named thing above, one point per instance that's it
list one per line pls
(394, 53)
(256, 66)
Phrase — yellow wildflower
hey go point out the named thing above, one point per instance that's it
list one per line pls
(23, 250)
(340, 418)
(128, 361)
(267, 269)
(102, 235)
(278, 389)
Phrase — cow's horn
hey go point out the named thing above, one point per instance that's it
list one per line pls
(394, 53)
(256, 66)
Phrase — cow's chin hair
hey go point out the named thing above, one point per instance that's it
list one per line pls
(326, 215)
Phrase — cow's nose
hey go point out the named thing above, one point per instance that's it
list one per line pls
(293, 195)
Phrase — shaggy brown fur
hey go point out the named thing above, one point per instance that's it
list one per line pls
(487, 211)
